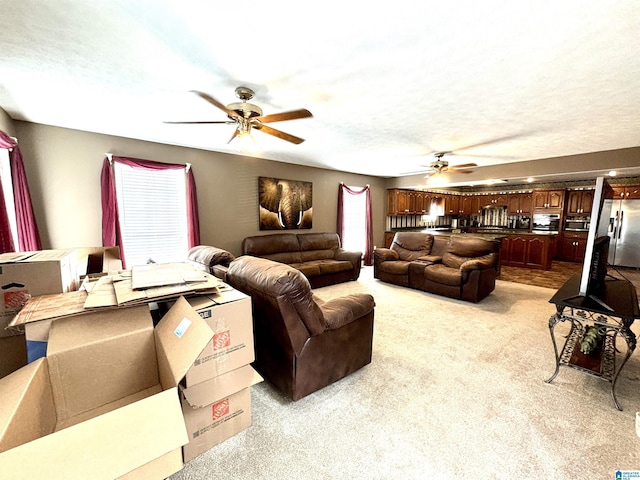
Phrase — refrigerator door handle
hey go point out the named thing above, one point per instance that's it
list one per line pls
(621, 221)
(615, 225)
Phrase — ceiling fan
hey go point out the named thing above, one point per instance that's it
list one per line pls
(247, 116)
(440, 166)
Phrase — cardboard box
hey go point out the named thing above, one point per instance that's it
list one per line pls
(217, 409)
(13, 354)
(228, 313)
(98, 260)
(34, 319)
(28, 274)
(104, 403)
(38, 313)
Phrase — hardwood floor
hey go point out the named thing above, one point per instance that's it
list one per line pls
(559, 273)
(555, 277)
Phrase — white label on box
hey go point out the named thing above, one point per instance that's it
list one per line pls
(182, 328)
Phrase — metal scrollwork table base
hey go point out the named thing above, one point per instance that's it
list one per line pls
(613, 311)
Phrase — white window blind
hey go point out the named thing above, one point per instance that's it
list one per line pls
(7, 190)
(152, 207)
(354, 236)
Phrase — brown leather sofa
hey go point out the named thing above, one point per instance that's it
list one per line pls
(461, 266)
(302, 343)
(318, 256)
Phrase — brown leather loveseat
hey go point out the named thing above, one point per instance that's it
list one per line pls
(318, 256)
(461, 266)
(302, 343)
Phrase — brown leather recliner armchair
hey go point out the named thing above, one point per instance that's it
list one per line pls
(302, 343)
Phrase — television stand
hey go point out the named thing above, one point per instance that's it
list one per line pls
(613, 315)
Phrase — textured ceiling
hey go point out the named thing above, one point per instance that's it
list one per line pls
(492, 81)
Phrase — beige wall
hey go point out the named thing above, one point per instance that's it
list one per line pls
(63, 169)
(6, 123)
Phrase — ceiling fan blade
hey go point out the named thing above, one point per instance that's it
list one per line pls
(462, 165)
(236, 132)
(223, 121)
(215, 103)
(292, 115)
(277, 133)
(461, 171)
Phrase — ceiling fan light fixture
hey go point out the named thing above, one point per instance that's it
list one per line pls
(247, 143)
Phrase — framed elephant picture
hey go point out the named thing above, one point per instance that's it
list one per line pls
(285, 204)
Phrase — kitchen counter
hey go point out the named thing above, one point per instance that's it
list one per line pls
(468, 231)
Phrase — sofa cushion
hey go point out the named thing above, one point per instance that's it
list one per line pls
(262, 245)
(440, 273)
(308, 269)
(334, 266)
(412, 245)
(311, 255)
(283, 257)
(396, 267)
(322, 267)
(318, 241)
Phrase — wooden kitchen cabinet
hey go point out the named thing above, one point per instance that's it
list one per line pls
(470, 204)
(451, 204)
(527, 251)
(388, 239)
(494, 200)
(544, 200)
(573, 247)
(422, 203)
(399, 202)
(519, 203)
(629, 191)
(579, 202)
(408, 202)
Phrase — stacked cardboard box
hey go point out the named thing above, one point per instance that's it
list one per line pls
(24, 275)
(214, 397)
(104, 403)
(28, 274)
(215, 392)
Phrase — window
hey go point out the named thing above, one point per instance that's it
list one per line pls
(355, 220)
(152, 212)
(7, 190)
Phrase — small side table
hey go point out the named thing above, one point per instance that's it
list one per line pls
(581, 312)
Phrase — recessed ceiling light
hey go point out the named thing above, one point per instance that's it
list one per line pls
(530, 179)
(613, 173)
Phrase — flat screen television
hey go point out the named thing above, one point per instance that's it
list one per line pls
(594, 267)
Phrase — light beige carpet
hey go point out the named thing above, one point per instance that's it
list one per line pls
(455, 391)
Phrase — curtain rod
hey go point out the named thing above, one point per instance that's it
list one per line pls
(110, 157)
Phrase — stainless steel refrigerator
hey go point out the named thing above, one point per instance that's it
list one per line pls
(624, 231)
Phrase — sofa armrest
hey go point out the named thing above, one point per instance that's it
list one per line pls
(480, 263)
(384, 254)
(354, 257)
(431, 259)
(343, 310)
(206, 257)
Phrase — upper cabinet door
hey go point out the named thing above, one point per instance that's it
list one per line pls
(556, 198)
